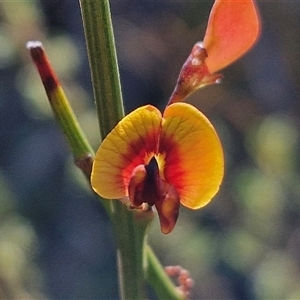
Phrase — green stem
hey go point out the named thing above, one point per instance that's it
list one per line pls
(103, 63)
(131, 240)
(63, 112)
(82, 151)
(158, 278)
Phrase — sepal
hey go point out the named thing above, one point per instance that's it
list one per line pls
(193, 75)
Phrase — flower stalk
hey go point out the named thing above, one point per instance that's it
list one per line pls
(103, 63)
(156, 275)
(82, 151)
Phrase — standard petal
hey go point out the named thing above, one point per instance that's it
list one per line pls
(129, 144)
(233, 27)
(194, 162)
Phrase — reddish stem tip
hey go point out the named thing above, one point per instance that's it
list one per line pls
(43, 65)
(36, 51)
(34, 44)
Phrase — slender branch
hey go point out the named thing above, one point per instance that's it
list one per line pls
(103, 63)
(80, 147)
(131, 259)
(159, 280)
(82, 151)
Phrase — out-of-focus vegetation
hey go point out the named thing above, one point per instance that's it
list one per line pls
(56, 241)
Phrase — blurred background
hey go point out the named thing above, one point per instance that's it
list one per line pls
(55, 239)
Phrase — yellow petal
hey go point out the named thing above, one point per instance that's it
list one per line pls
(125, 147)
(194, 162)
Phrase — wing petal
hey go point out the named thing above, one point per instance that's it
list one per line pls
(194, 162)
(126, 146)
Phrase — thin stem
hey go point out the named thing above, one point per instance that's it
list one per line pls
(81, 150)
(130, 250)
(158, 278)
(103, 63)
(80, 147)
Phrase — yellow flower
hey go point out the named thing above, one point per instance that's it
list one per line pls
(160, 159)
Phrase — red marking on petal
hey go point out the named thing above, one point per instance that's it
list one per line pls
(194, 162)
(125, 147)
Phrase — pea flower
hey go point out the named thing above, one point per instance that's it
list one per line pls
(160, 159)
